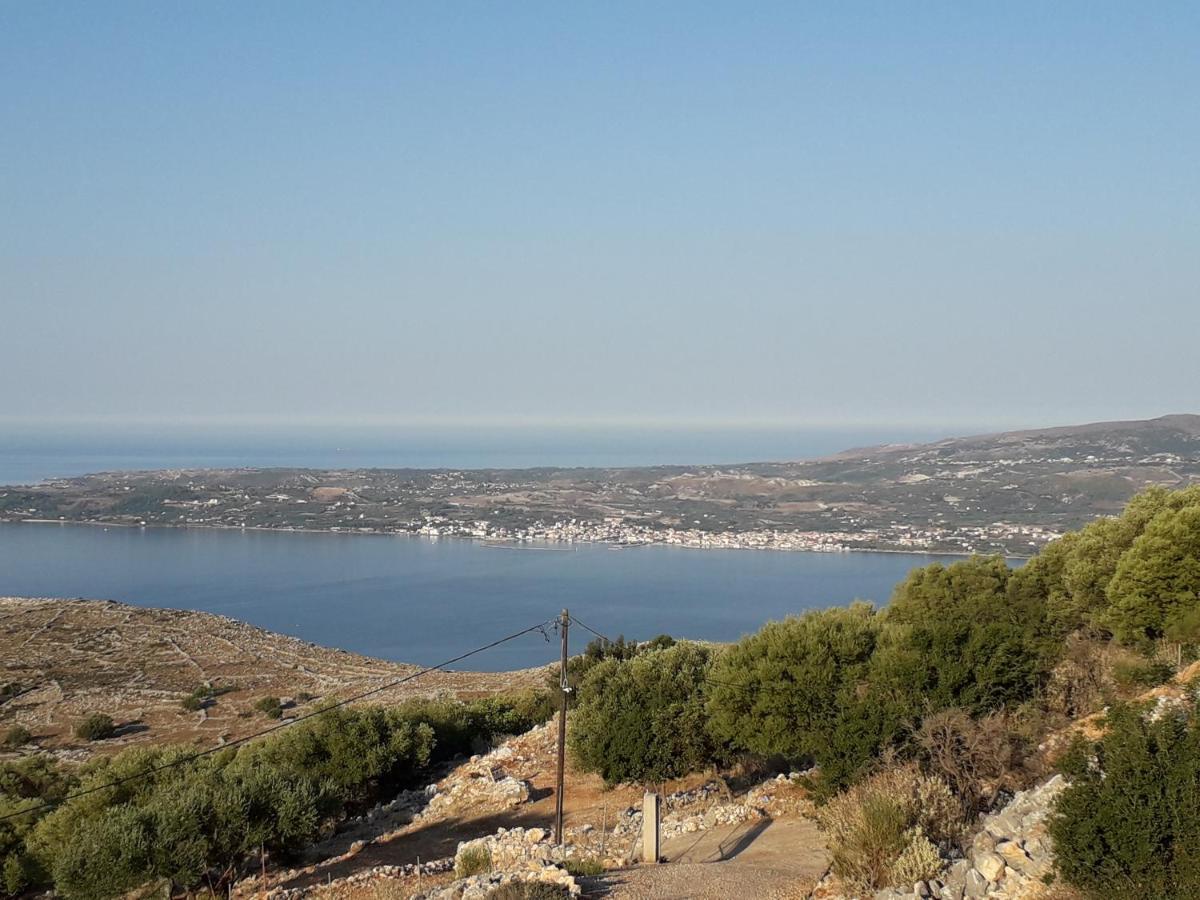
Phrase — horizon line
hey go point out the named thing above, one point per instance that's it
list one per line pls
(664, 423)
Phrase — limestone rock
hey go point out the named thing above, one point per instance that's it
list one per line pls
(976, 885)
(990, 866)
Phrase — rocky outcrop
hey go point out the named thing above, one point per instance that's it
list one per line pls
(517, 854)
(367, 878)
(1008, 858)
(480, 887)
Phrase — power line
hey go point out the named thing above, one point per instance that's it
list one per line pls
(603, 637)
(250, 737)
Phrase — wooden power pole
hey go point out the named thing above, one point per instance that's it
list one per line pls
(563, 623)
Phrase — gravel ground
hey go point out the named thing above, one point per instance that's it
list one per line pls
(772, 860)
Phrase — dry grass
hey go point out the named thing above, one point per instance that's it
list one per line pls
(70, 658)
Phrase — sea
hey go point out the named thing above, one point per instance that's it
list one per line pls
(425, 600)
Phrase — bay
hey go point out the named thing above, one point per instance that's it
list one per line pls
(423, 600)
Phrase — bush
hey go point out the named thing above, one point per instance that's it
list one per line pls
(472, 861)
(191, 703)
(1157, 581)
(918, 861)
(533, 706)
(976, 758)
(1078, 569)
(351, 754)
(1128, 826)
(1081, 681)
(582, 867)
(888, 827)
(643, 719)
(17, 736)
(1077, 575)
(597, 651)
(96, 727)
(271, 707)
(13, 877)
(1141, 673)
(794, 690)
(473, 726)
(958, 636)
(181, 821)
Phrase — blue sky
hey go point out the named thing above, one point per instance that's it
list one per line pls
(842, 212)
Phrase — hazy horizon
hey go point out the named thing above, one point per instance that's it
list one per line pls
(963, 217)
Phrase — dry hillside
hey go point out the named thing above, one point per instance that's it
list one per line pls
(67, 658)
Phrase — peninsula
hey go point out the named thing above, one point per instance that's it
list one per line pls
(1005, 493)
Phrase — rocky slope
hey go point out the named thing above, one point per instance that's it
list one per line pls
(67, 658)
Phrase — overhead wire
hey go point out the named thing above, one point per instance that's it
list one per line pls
(183, 760)
(586, 627)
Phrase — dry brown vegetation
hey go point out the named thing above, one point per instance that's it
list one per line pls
(66, 659)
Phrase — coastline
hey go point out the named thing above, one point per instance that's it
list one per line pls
(515, 543)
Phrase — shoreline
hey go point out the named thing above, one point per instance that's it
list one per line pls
(513, 543)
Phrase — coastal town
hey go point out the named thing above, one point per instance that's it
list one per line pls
(1008, 494)
(999, 537)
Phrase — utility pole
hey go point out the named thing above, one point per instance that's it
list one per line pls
(563, 623)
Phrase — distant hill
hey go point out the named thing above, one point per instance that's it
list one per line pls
(1173, 434)
(997, 493)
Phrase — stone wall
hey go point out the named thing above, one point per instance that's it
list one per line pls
(1007, 859)
(516, 854)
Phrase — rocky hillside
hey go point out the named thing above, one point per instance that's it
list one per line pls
(64, 659)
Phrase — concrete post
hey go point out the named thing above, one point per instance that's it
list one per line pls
(650, 827)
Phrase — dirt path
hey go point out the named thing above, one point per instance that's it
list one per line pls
(781, 859)
(587, 801)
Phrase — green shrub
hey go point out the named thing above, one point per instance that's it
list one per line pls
(582, 867)
(472, 861)
(271, 707)
(643, 719)
(1128, 826)
(1143, 673)
(461, 728)
(96, 727)
(794, 690)
(34, 777)
(958, 636)
(1077, 574)
(533, 706)
(13, 876)
(597, 651)
(352, 753)
(1157, 581)
(191, 703)
(17, 736)
(181, 821)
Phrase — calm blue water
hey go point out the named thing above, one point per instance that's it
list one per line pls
(29, 454)
(424, 601)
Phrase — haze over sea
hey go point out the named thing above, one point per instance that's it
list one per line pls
(416, 599)
(29, 453)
